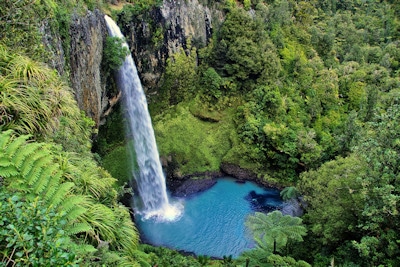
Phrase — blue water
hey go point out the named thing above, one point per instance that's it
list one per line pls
(213, 221)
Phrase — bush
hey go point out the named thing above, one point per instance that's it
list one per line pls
(114, 53)
(32, 234)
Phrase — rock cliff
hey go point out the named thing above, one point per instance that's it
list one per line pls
(152, 36)
(155, 35)
(87, 38)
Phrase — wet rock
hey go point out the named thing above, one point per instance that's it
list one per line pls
(191, 187)
(154, 36)
(238, 172)
(88, 35)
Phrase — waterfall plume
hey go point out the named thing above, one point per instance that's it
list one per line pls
(150, 180)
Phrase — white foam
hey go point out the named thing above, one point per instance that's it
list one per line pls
(169, 213)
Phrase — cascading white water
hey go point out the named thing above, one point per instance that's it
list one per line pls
(149, 178)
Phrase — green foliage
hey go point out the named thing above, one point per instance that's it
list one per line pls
(118, 163)
(35, 101)
(32, 169)
(114, 53)
(196, 145)
(63, 22)
(32, 234)
(289, 192)
(277, 260)
(29, 168)
(180, 76)
(164, 257)
(236, 44)
(273, 231)
(19, 25)
(379, 189)
(334, 199)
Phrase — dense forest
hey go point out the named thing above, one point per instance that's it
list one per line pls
(305, 94)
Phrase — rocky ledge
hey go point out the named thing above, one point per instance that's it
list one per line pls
(245, 175)
(193, 186)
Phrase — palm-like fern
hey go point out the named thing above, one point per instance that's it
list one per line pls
(289, 192)
(273, 229)
(29, 167)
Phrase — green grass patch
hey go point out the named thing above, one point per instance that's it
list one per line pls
(196, 145)
(119, 164)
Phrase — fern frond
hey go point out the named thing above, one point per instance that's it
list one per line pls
(21, 154)
(38, 167)
(74, 213)
(78, 228)
(71, 207)
(4, 161)
(8, 171)
(29, 163)
(54, 181)
(60, 194)
(84, 249)
(46, 178)
(16, 144)
(41, 183)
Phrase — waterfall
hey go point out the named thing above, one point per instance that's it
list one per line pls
(149, 177)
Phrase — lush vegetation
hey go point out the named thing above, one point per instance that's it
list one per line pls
(303, 93)
(306, 94)
(59, 208)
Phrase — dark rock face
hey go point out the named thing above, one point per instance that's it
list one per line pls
(155, 36)
(245, 175)
(237, 172)
(88, 34)
(190, 187)
(52, 40)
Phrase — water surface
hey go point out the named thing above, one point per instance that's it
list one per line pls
(213, 221)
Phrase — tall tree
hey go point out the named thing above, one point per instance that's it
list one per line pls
(334, 200)
(380, 189)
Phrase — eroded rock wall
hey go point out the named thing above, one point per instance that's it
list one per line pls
(154, 36)
(93, 87)
(87, 38)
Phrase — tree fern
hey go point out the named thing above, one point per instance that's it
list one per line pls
(289, 192)
(273, 230)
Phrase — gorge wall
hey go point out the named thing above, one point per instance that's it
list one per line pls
(155, 35)
(88, 35)
(152, 36)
